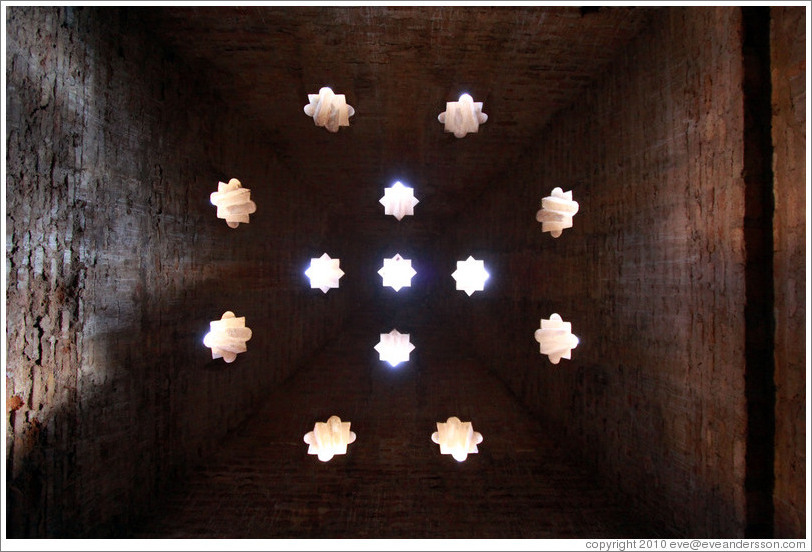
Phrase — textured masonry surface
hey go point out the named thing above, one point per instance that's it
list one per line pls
(651, 275)
(115, 265)
(789, 70)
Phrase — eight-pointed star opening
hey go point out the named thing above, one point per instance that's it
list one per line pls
(463, 116)
(324, 273)
(233, 202)
(470, 275)
(555, 338)
(398, 200)
(328, 109)
(556, 212)
(394, 348)
(456, 438)
(227, 337)
(397, 272)
(329, 438)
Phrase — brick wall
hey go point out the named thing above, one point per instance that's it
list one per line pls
(788, 61)
(651, 276)
(116, 263)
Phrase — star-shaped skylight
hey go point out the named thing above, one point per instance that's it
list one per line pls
(233, 202)
(324, 273)
(329, 438)
(397, 272)
(398, 200)
(470, 275)
(555, 338)
(463, 116)
(456, 438)
(227, 337)
(329, 110)
(556, 212)
(394, 348)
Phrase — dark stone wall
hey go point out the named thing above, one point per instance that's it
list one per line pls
(116, 263)
(788, 65)
(651, 276)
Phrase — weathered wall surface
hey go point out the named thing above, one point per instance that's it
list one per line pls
(651, 276)
(788, 63)
(116, 263)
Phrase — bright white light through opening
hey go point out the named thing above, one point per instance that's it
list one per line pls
(398, 200)
(329, 438)
(233, 202)
(555, 338)
(329, 110)
(397, 272)
(463, 116)
(324, 273)
(470, 275)
(227, 337)
(556, 212)
(456, 438)
(394, 348)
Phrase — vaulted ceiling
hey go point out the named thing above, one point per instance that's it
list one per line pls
(398, 66)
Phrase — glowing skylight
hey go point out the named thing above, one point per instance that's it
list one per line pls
(329, 110)
(394, 348)
(463, 116)
(556, 212)
(324, 273)
(555, 338)
(227, 337)
(233, 202)
(398, 200)
(397, 272)
(470, 275)
(329, 438)
(457, 438)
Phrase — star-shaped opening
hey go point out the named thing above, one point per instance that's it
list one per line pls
(463, 116)
(556, 339)
(398, 200)
(556, 212)
(329, 438)
(470, 275)
(233, 203)
(324, 273)
(329, 110)
(394, 348)
(397, 272)
(456, 438)
(227, 337)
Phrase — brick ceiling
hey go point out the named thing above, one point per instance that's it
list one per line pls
(397, 67)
